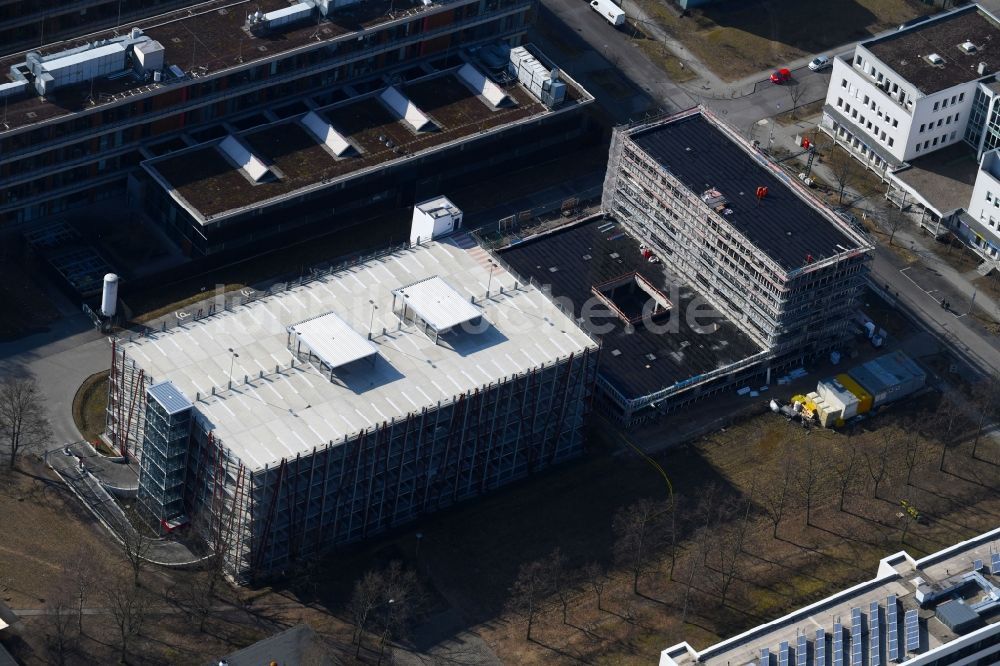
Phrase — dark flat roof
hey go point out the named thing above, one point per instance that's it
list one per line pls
(783, 226)
(204, 38)
(584, 256)
(905, 50)
(209, 184)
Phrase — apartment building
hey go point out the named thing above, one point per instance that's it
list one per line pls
(78, 119)
(938, 610)
(915, 91)
(980, 225)
(723, 218)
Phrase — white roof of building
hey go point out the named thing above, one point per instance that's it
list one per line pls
(331, 339)
(114, 48)
(293, 410)
(438, 304)
(438, 207)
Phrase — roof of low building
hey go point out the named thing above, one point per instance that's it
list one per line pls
(637, 361)
(906, 51)
(297, 646)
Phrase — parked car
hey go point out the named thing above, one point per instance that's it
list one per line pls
(819, 63)
(781, 76)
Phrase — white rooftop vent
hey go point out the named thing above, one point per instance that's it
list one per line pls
(405, 109)
(433, 218)
(241, 156)
(324, 133)
(481, 85)
(967, 47)
(935, 59)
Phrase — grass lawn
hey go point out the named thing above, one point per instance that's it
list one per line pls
(89, 404)
(736, 39)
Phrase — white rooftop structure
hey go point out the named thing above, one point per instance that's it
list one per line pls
(325, 133)
(332, 340)
(405, 109)
(276, 409)
(436, 303)
(241, 156)
(481, 85)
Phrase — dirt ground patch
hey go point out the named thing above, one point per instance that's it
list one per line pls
(89, 404)
(736, 39)
(661, 55)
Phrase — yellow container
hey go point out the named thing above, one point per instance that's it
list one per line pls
(864, 397)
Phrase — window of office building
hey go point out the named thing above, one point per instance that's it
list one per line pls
(974, 130)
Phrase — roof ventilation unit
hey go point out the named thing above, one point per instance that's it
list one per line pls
(258, 22)
(324, 132)
(542, 82)
(434, 218)
(935, 59)
(967, 47)
(479, 84)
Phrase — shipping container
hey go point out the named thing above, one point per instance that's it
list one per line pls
(889, 377)
(838, 397)
(864, 397)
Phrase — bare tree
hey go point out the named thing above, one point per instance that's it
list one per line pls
(673, 529)
(987, 401)
(135, 545)
(776, 500)
(795, 92)
(402, 602)
(129, 607)
(894, 220)
(22, 422)
(59, 635)
(365, 598)
(844, 169)
(85, 575)
(942, 424)
(633, 526)
(911, 455)
(877, 460)
(730, 548)
(809, 476)
(528, 592)
(593, 574)
(846, 471)
(560, 580)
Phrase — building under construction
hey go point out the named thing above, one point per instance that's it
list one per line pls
(780, 265)
(339, 406)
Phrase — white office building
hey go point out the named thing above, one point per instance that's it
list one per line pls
(980, 224)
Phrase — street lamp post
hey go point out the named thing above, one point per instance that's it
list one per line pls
(489, 284)
(973, 301)
(385, 630)
(232, 362)
(372, 321)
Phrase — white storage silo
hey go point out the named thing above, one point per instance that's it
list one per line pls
(109, 299)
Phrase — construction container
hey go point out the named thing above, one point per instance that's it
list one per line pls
(889, 377)
(838, 397)
(865, 399)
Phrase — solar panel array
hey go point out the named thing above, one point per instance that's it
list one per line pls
(765, 657)
(801, 651)
(856, 644)
(820, 648)
(783, 655)
(892, 625)
(838, 644)
(995, 564)
(977, 565)
(912, 631)
(874, 641)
